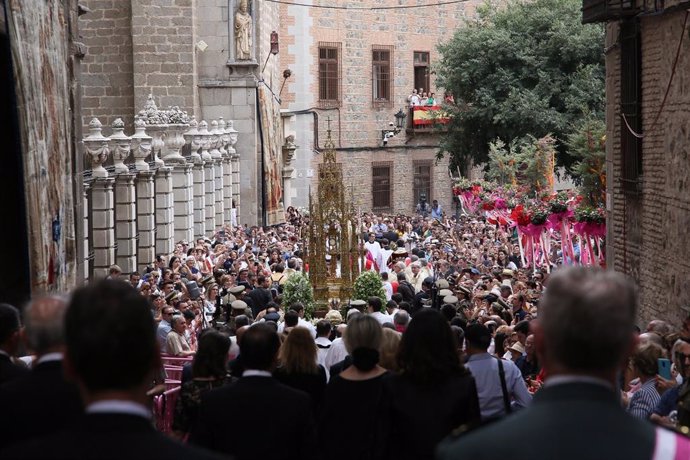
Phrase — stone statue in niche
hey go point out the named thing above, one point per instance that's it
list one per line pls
(243, 32)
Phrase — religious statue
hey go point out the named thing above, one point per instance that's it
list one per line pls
(243, 32)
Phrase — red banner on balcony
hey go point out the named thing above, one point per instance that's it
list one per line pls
(429, 115)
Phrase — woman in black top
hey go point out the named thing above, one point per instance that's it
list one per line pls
(353, 423)
(208, 372)
(433, 394)
(298, 368)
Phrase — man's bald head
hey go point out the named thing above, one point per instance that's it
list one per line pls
(44, 323)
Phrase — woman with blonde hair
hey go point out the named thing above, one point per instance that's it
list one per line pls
(297, 365)
(389, 350)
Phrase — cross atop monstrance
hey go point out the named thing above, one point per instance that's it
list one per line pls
(332, 234)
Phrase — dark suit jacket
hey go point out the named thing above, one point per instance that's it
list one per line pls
(257, 418)
(39, 403)
(105, 437)
(260, 297)
(570, 421)
(9, 370)
(423, 415)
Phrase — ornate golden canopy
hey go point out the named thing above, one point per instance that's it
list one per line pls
(332, 235)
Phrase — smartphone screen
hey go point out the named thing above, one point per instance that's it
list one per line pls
(664, 368)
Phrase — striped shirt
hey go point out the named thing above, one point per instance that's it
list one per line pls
(644, 400)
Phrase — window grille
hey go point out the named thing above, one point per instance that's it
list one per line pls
(382, 75)
(381, 186)
(631, 108)
(422, 180)
(330, 58)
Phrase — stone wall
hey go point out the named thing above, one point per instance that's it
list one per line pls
(107, 78)
(357, 177)
(137, 47)
(647, 232)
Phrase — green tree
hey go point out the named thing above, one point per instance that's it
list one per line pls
(587, 144)
(529, 68)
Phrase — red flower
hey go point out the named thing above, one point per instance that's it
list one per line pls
(520, 216)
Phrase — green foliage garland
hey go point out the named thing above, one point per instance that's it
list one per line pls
(369, 284)
(298, 288)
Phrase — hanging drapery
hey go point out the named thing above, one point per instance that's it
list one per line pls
(40, 40)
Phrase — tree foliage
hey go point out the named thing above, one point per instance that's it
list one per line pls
(529, 68)
(526, 163)
(587, 145)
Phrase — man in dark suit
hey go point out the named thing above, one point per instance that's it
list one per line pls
(260, 296)
(41, 402)
(10, 338)
(257, 417)
(112, 355)
(583, 337)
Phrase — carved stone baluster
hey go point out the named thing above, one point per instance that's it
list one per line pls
(141, 145)
(96, 147)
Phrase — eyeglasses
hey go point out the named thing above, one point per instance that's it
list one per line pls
(167, 313)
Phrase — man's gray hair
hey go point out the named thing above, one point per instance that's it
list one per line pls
(401, 318)
(176, 319)
(44, 323)
(588, 316)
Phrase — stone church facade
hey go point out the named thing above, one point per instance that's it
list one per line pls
(183, 52)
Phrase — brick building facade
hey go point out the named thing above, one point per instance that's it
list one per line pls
(363, 102)
(649, 177)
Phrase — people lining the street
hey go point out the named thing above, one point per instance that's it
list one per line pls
(457, 342)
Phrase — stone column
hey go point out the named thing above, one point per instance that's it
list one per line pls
(199, 194)
(217, 157)
(235, 161)
(184, 202)
(227, 172)
(164, 211)
(87, 246)
(102, 225)
(209, 179)
(146, 222)
(195, 140)
(125, 222)
(125, 200)
(145, 193)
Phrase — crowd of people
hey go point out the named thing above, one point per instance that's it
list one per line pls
(419, 97)
(466, 348)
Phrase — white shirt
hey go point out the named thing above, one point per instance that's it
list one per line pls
(388, 287)
(255, 373)
(336, 353)
(300, 323)
(110, 406)
(381, 317)
(323, 346)
(414, 100)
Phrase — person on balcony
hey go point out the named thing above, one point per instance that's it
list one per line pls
(413, 98)
(431, 100)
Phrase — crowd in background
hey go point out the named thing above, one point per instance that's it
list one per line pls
(464, 340)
